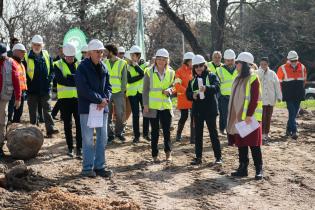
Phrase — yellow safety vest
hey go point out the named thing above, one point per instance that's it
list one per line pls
(157, 100)
(226, 80)
(197, 90)
(31, 65)
(212, 68)
(136, 87)
(65, 91)
(115, 74)
(259, 109)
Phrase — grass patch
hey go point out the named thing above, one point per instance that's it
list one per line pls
(308, 104)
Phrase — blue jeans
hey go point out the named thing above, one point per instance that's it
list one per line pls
(293, 109)
(223, 109)
(93, 153)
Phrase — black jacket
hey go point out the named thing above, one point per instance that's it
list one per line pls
(208, 107)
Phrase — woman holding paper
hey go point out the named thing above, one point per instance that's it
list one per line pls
(202, 91)
(245, 105)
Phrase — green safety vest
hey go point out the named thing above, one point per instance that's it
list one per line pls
(136, 87)
(157, 100)
(65, 91)
(193, 82)
(31, 65)
(226, 80)
(259, 109)
(115, 74)
(212, 68)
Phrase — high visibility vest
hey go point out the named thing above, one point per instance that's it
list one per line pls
(226, 80)
(7, 84)
(136, 87)
(197, 90)
(288, 78)
(22, 75)
(115, 74)
(65, 91)
(259, 108)
(212, 67)
(31, 65)
(157, 100)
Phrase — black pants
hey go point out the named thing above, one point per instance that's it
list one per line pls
(166, 118)
(56, 109)
(183, 116)
(256, 154)
(135, 102)
(212, 127)
(69, 108)
(223, 109)
(14, 115)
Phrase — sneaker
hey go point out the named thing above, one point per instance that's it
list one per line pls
(168, 157)
(218, 161)
(70, 153)
(104, 173)
(136, 140)
(294, 136)
(89, 173)
(196, 161)
(79, 154)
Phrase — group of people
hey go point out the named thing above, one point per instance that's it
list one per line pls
(120, 82)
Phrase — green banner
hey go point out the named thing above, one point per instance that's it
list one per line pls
(76, 37)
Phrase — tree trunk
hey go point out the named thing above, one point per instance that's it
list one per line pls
(1, 7)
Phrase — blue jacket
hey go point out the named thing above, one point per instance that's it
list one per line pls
(93, 85)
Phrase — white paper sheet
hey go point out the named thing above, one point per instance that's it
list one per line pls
(244, 129)
(96, 117)
(200, 84)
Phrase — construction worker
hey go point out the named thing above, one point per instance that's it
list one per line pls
(13, 42)
(216, 61)
(245, 104)
(292, 76)
(9, 82)
(157, 91)
(202, 91)
(226, 73)
(65, 70)
(182, 77)
(121, 52)
(117, 69)
(39, 69)
(84, 51)
(93, 87)
(18, 53)
(56, 108)
(134, 92)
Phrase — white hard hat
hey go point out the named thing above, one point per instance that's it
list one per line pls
(198, 59)
(292, 55)
(135, 49)
(188, 56)
(19, 46)
(121, 50)
(84, 48)
(95, 44)
(162, 53)
(245, 57)
(229, 54)
(37, 39)
(127, 55)
(69, 49)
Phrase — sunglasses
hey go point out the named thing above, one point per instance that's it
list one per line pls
(199, 65)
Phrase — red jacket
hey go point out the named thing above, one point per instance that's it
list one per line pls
(15, 79)
(182, 77)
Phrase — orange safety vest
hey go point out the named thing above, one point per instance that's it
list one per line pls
(182, 77)
(22, 75)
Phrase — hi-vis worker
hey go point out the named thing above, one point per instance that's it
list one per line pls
(65, 70)
(226, 74)
(117, 69)
(39, 71)
(134, 92)
(245, 104)
(157, 91)
(216, 61)
(292, 76)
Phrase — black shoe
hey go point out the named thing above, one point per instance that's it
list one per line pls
(110, 139)
(136, 140)
(288, 133)
(146, 137)
(104, 173)
(50, 133)
(70, 153)
(294, 136)
(54, 117)
(121, 138)
(218, 161)
(223, 132)
(41, 120)
(79, 154)
(259, 173)
(178, 138)
(196, 161)
(241, 171)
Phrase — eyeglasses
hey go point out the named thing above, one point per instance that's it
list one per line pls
(199, 65)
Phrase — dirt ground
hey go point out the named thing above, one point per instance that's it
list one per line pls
(289, 182)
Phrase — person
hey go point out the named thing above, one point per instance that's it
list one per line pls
(157, 91)
(13, 42)
(182, 77)
(39, 71)
(226, 74)
(117, 69)
(9, 82)
(121, 52)
(216, 61)
(271, 93)
(65, 70)
(204, 107)
(84, 51)
(134, 92)
(292, 76)
(244, 105)
(93, 87)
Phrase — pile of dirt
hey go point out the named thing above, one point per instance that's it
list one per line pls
(54, 198)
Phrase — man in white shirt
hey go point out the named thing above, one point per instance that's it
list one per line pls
(271, 93)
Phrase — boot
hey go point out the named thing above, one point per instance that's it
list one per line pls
(259, 172)
(180, 128)
(241, 171)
